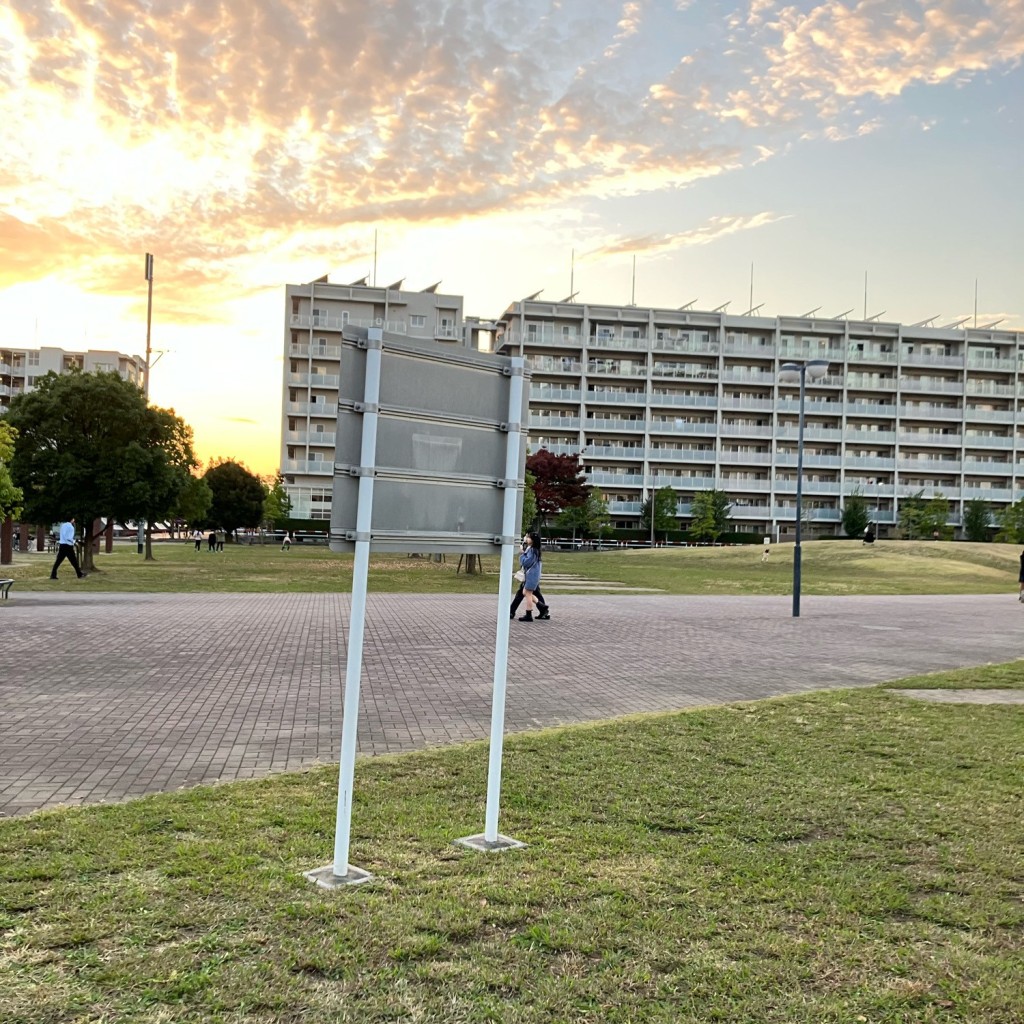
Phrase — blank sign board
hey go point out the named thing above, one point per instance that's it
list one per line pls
(442, 434)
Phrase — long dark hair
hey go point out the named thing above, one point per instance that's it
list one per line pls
(535, 543)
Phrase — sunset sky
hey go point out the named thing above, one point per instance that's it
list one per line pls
(253, 143)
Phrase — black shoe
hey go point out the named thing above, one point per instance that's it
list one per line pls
(53, 577)
(528, 617)
(544, 617)
(82, 575)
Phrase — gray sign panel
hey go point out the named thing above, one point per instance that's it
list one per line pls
(442, 434)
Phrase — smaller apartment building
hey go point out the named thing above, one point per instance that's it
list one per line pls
(21, 367)
(315, 316)
(692, 400)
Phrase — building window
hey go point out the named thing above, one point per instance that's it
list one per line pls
(417, 320)
(33, 359)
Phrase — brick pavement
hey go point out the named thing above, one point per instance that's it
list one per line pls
(107, 696)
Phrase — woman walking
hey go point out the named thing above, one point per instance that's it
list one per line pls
(530, 563)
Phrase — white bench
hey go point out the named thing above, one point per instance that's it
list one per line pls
(5, 588)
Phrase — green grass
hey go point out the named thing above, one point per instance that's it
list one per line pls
(847, 856)
(829, 567)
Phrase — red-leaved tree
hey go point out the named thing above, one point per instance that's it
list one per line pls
(560, 483)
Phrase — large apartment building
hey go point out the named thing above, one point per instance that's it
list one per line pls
(692, 400)
(315, 316)
(20, 367)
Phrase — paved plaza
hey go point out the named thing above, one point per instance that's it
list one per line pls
(107, 696)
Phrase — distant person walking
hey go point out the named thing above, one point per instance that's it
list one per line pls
(764, 555)
(1020, 579)
(286, 544)
(530, 563)
(197, 536)
(211, 541)
(66, 549)
(220, 540)
(543, 611)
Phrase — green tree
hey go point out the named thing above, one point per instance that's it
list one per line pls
(1011, 523)
(664, 503)
(277, 506)
(933, 521)
(11, 497)
(237, 496)
(167, 468)
(84, 449)
(911, 515)
(591, 519)
(977, 520)
(855, 514)
(194, 501)
(709, 513)
(529, 504)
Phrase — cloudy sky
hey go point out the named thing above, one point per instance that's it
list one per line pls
(254, 143)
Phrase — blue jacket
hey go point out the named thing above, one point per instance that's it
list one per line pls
(530, 563)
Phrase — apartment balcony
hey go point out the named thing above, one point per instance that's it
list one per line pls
(988, 493)
(554, 422)
(870, 436)
(945, 387)
(867, 382)
(685, 483)
(854, 355)
(750, 349)
(870, 409)
(946, 440)
(746, 458)
(709, 401)
(630, 426)
(596, 370)
(680, 455)
(708, 348)
(761, 404)
(917, 412)
(682, 372)
(734, 484)
(928, 465)
(755, 379)
(312, 409)
(680, 427)
(599, 479)
(392, 326)
(990, 415)
(809, 487)
(5, 368)
(551, 393)
(624, 507)
(315, 466)
(810, 433)
(788, 459)
(784, 512)
(868, 490)
(547, 364)
(742, 430)
(984, 387)
(738, 511)
(927, 359)
(310, 437)
(618, 344)
(5, 391)
(981, 441)
(987, 468)
(882, 515)
(316, 351)
(983, 363)
(598, 397)
(314, 380)
(867, 465)
(812, 406)
(801, 353)
(327, 323)
(601, 451)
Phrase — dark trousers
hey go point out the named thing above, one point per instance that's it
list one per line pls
(542, 606)
(199, 544)
(66, 551)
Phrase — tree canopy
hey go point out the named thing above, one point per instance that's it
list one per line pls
(710, 515)
(922, 518)
(10, 496)
(559, 482)
(237, 496)
(665, 504)
(277, 506)
(88, 446)
(855, 514)
(1011, 523)
(591, 518)
(977, 520)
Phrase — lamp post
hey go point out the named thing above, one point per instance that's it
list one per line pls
(797, 373)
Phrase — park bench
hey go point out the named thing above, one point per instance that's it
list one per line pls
(5, 588)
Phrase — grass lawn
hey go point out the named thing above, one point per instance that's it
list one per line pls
(829, 567)
(851, 856)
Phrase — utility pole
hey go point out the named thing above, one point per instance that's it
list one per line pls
(140, 538)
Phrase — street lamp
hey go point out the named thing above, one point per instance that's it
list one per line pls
(797, 373)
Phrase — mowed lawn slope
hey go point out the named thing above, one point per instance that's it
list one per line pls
(829, 567)
(849, 856)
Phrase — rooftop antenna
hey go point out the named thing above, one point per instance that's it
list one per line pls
(569, 298)
(841, 316)
(374, 257)
(928, 322)
(810, 313)
(875, 316)
(752, 288)
(632, 296)
(753, 309)
(865, 295)
(975, 302)
(688, 305)
(722, 308)
(572, 275)
(955, 324)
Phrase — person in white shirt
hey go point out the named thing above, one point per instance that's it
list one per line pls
(66, 549)
(286, 544)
